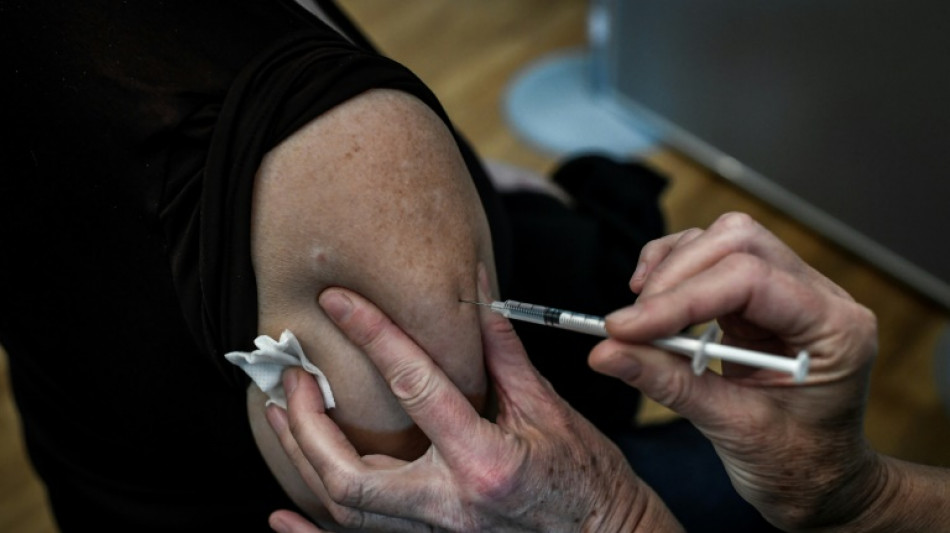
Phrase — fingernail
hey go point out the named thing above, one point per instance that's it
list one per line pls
(278, 524)
(290, 381)
(336, 304)
(638, 272)
(276, 417)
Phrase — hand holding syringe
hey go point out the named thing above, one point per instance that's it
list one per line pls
(700, 350)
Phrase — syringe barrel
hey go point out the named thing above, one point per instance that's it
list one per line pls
(551, 316)
(536, 314)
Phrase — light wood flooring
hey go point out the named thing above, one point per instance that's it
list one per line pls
(468, 52)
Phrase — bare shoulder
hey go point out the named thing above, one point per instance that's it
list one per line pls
(378, 176)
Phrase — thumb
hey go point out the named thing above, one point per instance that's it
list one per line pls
(514, 377)
(505, 356)
(522, 393)
(284, 521)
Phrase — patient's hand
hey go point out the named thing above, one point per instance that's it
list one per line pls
(372, 196)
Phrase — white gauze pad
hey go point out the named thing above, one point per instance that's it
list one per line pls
(266, 364)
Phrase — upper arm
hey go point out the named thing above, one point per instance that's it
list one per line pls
(372, 196)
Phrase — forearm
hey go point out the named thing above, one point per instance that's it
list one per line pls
(906, 497)
(646, 513)
(619, 501)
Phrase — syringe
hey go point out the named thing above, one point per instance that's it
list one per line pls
(700, 350)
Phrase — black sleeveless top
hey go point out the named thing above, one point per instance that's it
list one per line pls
(133, 131)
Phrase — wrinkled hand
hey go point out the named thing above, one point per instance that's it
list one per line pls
(539, 467)
(797, 453)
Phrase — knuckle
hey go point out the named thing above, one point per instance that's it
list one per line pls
(736, 221)
(413, 383)
(740, 229)
(499, 477)
(371, 331)
(344, 488)
(746, 266)
(492, 486)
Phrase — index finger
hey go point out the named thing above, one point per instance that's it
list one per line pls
(433, 402)
(670, 260)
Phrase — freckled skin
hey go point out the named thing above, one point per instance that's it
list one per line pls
(373, 196)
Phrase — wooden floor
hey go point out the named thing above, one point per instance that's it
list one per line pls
(468, 51)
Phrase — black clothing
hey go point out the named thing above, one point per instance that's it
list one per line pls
(581, 259)
(134, 133)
